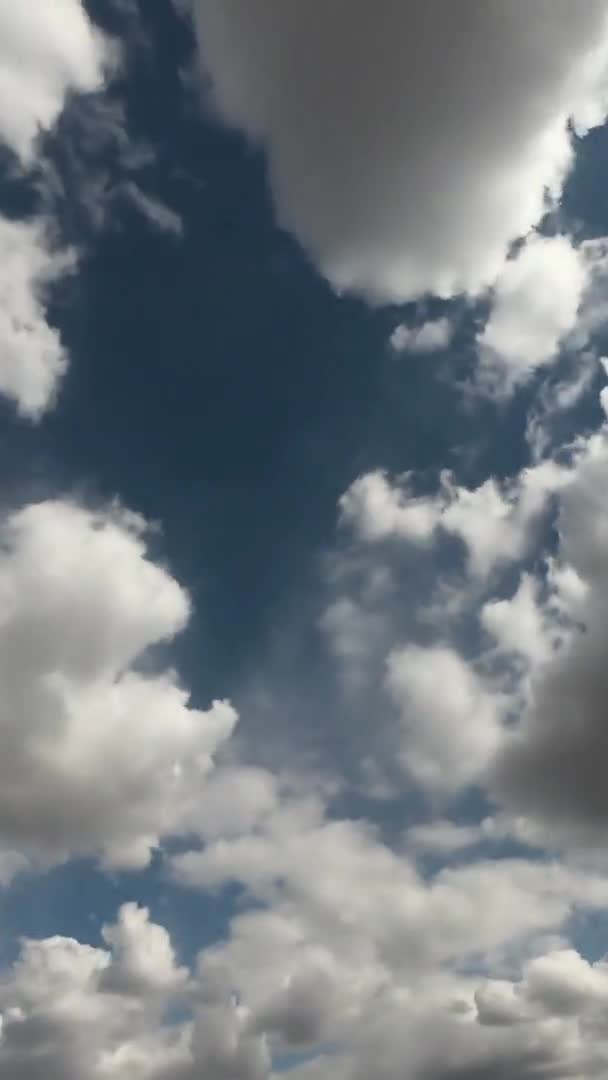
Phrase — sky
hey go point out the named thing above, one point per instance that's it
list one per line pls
(303, 540)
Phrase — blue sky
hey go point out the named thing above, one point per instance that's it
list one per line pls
(303, 567)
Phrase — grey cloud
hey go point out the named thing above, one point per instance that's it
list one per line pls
(408, 146)
(553, 764)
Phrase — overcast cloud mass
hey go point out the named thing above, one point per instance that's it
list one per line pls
(303, 540)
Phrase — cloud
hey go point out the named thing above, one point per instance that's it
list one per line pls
(443, 837)
(305, 869)
(354, 636)
(319, 960)
(291, 976)
(541, 648)
(520, 625)
(46, 51)
(153, 210)
(555, 397)
(377, 509)
(496, 521)
(67, 1014)
(535, 304)
(32, 358)
(12, 863)
(559, 984)
(143, 956)
(405, 154)
(551, 763)
(429, 337)
(81, 602)
(451, 722)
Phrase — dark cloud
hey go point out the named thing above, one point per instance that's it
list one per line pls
(407, 151)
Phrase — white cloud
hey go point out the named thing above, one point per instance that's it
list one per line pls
(68, 1014)
(143, 956)
(495, 521)
(32, 358)
(46, 51)
(549, 654)
(399, 175)
(429, 337)
(559, 984)
(520, 625)
(80, 602)
(328, 963)
(320, 959)
(450, 720)
(535, 304)
(378, 509)
(306, 870)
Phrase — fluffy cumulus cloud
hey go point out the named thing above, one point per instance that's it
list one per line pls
(428, 337)
(321, 962)
(526, 719)
(312, 962)
(399, 174)
(495, 521)
(32, 358)
(537, 297)
(451, 722)
(322, 969)
(46, 51)
(70, 1010)
(306, 870)
(81, 602)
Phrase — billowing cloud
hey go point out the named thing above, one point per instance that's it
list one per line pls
(72, 1012)
(450, 721)
(519, 625)
(81, 602)
(496, 522)
(407, 152)
(46, 51)
(306, 870)
(536, 302)
(66, 1013)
